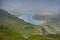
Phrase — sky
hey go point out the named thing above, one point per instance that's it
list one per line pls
(30, 5)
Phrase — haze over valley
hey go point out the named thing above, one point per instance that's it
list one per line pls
(29, 19)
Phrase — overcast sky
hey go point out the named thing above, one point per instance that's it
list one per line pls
(30, 5)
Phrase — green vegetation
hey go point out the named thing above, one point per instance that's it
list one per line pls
(16, 24)
(9, 34)
(39, 37)
(13, 28)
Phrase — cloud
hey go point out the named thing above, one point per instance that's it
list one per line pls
(25, 6)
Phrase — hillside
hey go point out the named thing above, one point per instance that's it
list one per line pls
(17, 24)
(52, 24)
(13, 28)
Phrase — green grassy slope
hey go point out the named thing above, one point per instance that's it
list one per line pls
(9, 34)
(16, 24)
(13, 28)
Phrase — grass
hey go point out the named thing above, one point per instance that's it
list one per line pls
(9, 34)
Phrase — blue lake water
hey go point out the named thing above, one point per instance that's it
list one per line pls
(28, 18)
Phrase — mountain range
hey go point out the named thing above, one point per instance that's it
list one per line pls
(12, 26)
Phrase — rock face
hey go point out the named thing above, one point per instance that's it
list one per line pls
(42, 30)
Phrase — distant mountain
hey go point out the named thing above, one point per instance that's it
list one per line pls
(45, 15)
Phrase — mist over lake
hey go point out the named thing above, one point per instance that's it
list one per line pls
(29, 18)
